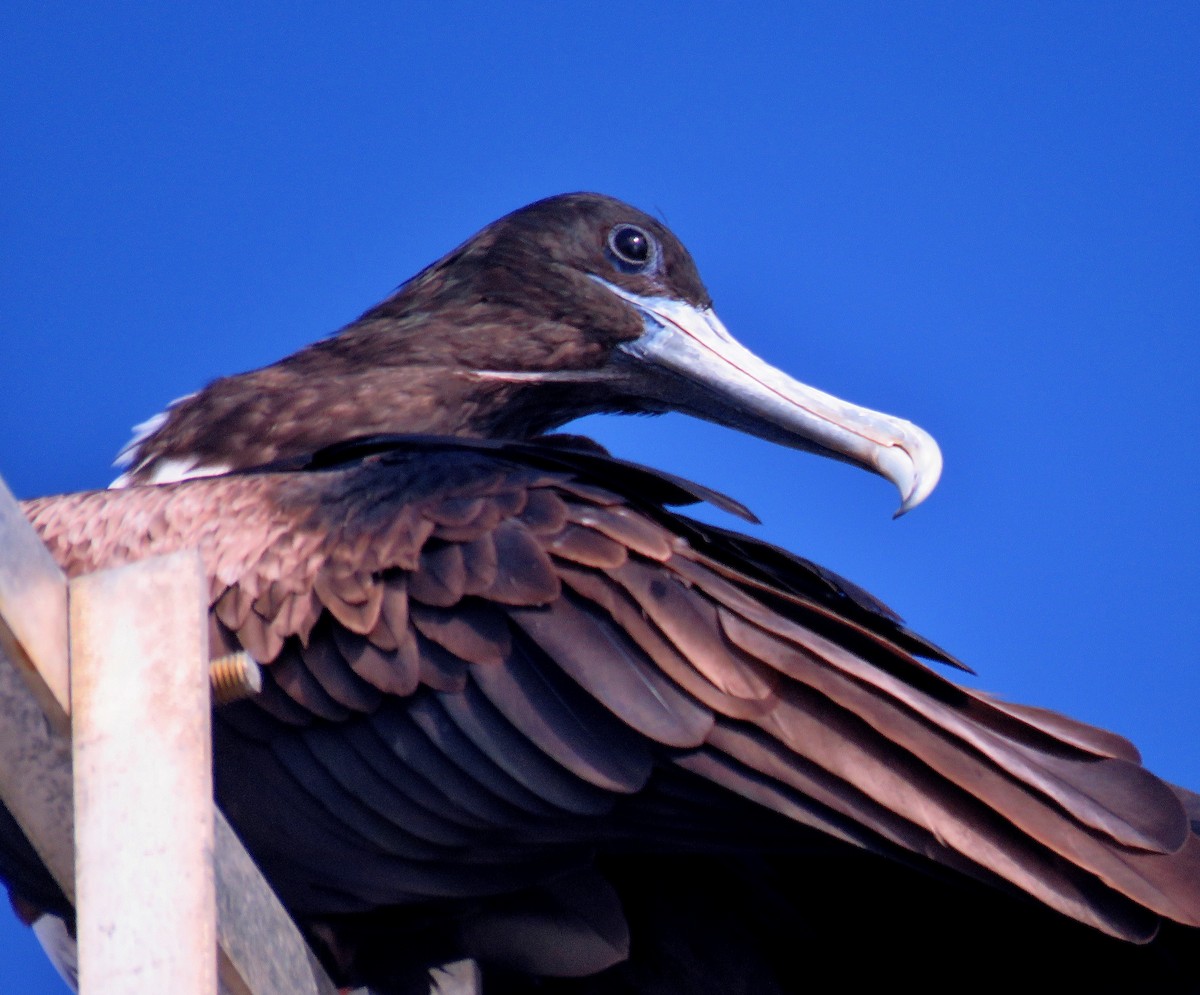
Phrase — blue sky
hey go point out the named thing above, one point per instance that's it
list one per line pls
(982, 218)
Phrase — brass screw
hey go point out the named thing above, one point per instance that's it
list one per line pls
(234, 677)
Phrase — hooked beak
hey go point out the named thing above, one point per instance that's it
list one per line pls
(687, 361)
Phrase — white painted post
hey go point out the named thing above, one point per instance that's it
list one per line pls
(261, 952)
(143, 780)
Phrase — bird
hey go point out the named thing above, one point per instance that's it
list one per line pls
(519, 707)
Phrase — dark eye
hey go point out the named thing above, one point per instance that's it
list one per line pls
(633, 249)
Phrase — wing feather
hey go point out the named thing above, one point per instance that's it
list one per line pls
(481, 656)
(566, 723)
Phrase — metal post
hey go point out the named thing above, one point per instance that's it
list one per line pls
(259, 949)
(146, 920)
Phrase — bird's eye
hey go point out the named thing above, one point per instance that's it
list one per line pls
(632, 249)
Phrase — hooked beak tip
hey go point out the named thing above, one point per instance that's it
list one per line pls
(914, 465)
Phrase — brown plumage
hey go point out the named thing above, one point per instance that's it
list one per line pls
(518, 709)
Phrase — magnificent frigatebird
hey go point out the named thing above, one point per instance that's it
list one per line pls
(518, 709)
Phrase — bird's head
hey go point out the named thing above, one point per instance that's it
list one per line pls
(574, 305)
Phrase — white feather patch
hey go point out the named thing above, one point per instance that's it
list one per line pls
(170, 471)
(142, 431)
(166, 471)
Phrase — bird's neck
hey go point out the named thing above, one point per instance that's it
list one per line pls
(292, 409)
(414, 364)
